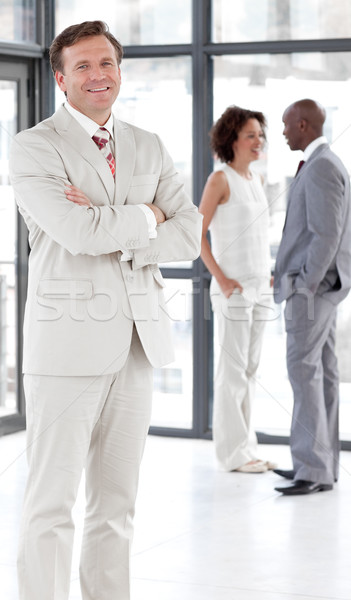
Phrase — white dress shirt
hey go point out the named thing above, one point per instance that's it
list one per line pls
(313, 145)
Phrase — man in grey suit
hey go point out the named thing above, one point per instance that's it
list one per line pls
(313, 274)
(96, 320)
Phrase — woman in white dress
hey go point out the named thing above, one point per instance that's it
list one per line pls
(235, 210)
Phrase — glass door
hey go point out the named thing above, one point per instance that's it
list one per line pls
(13, 249)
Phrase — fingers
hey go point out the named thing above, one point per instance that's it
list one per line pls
(74, 194)
(239, 287)
(159, 214)
(230, 289)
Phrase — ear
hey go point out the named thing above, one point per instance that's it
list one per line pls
(303, 125)
(60, 80)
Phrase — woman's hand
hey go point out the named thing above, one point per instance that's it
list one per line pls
(228, 286)
(74, 194)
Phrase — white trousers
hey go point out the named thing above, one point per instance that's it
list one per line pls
(99, 423)
(240, 326)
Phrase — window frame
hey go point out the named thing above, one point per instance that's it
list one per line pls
(201, 50)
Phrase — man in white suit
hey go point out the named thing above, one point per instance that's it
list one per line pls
(95, 320)
(313, 274)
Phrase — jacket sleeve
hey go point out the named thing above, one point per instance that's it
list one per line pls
(38, 176)
(179, 237)
(325, 215)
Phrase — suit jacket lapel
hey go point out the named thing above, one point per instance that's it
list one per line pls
(319, 150)
(125, 155)
(70, 130)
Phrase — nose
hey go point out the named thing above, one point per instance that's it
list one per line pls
(96, 72)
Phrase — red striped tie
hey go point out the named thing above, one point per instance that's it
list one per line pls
(101, 139)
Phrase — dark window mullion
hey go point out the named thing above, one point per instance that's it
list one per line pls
(157, 51)
(278, 47)
(202, 165)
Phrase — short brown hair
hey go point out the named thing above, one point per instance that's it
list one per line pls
(73, 34)
(225, 131)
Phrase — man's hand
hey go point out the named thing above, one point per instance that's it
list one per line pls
(159, 214)
(75, 195)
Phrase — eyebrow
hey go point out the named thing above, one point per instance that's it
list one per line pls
(87, 61)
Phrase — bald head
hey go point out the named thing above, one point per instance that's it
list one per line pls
(310, 111)
(303, 122)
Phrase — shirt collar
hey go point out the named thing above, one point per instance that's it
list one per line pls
(313, 145)
(88, 124)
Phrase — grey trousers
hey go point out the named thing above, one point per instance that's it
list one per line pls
(313, 373)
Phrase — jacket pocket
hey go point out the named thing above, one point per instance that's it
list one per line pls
(147, 179)
(157, 276)
(142, 189)
(82, 289)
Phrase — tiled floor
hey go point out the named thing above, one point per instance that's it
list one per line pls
(206, 535)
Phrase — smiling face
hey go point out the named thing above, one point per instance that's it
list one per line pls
(249, 144)
(91, 77)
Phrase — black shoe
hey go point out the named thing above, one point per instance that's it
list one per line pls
(300, 487)
(288, 474)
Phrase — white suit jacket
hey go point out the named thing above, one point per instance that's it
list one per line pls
(82, 300)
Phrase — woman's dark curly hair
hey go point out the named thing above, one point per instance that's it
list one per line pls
(225, 131)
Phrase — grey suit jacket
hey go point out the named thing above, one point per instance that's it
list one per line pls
(82, 300)
(314, 256)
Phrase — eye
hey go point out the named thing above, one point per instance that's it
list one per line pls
(81, 67)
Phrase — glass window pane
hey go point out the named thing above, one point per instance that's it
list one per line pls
(133, 22)
(173, 384)
(343, 350)
(274, 400)
(271, 20)
(17, 20)
(270, 83)
(156, 94)
(8, 117)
